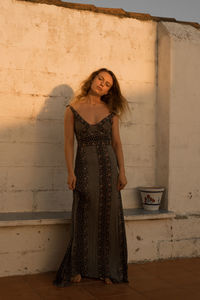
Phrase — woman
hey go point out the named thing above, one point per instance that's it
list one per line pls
(97, 247)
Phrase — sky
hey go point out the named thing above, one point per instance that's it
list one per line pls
(181, 10)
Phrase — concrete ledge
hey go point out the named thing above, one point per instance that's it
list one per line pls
(45, 217)
(34, 218)
(141, 214)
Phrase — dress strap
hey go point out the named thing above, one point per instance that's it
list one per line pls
(111, 116)
(72, 109)
(76, 114)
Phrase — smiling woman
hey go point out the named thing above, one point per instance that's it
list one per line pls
(97, 247)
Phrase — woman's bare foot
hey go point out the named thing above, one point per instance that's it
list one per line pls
(76, 278)
(107, 281)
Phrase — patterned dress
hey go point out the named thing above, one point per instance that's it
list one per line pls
(97, 246)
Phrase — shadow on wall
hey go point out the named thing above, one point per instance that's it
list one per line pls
(51, 191)
(33, 159)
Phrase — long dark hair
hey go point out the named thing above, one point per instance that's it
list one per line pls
(115, 101)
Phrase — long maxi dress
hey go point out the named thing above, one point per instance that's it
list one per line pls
(97, 246)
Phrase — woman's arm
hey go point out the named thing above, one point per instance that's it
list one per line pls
(69, 146)
(117, 146)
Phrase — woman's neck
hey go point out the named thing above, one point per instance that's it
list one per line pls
(93, 99)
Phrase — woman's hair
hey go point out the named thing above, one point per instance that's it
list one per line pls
(114, 99)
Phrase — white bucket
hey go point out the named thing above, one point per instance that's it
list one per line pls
(151, 197)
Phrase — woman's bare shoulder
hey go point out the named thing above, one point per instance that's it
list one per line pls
(115, 118)
(68, 112)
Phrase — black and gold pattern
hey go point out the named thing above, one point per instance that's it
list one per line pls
(97, 246)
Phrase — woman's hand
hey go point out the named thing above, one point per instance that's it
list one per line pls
(71, 181)
(122, 181)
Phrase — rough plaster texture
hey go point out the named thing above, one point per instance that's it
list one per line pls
(45, 51)
(32, 249)
(178, 130)
(37, 249)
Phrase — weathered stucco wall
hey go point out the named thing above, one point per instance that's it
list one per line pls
(35, 249)
(46, 51)
(178, 130)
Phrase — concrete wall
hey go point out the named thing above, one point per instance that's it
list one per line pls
(32, 249)
(37, 249)
(45, 52)
(178, 127)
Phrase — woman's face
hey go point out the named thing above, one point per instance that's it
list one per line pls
(102, 83)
